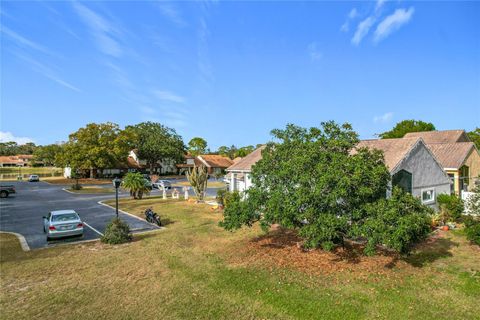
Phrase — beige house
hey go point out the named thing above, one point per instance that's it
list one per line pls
(19, 160)
(458, 155)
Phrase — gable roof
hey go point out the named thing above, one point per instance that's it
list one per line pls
(394, 150)
(215, 161)
(246, 163)
(445, 136)
(451, 155)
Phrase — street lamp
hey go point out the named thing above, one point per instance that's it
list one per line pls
(116, 184)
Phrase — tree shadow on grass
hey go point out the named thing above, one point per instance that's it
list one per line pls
(433, 249)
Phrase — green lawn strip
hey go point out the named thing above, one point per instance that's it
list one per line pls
(92, 190)
(184, 273)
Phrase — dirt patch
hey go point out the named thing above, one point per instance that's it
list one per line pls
(282, 249)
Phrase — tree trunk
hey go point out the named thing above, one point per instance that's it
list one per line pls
(151, 167)
(92, 174)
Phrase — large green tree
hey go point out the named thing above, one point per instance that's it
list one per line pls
(11, 148)
(475, 137)
(309, 180)
(197, 146)
(47, 154)
(96, 146)
(406, 126)
(232, 152)
(156, 142)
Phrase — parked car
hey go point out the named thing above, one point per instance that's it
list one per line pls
(5, 191)
(160, 184)
(62, 223)
(33, 178)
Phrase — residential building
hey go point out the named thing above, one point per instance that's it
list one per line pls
(238, 175)
(457, 154)
(20, 160)
(413, 167)
(215, 164)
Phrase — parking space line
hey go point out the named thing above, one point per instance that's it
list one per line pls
(93, 228)
(129, 214)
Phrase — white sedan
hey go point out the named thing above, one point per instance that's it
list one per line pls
(62, 223)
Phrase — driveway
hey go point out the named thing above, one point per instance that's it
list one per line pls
(23, 212)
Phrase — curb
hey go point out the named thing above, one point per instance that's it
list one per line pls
(129, 214)
(23, 242)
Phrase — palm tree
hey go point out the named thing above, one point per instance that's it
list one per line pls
(136, 184)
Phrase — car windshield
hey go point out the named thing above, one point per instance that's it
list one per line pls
(64, 217)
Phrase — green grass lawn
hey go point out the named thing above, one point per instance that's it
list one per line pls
(31, 170)
(93, 189)
(195, 270)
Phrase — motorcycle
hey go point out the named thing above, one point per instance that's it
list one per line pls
(152, 217)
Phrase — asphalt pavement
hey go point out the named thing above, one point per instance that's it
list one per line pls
(22, 213)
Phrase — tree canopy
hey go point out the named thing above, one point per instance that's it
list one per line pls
(96, 146)
(475, 137)
(47, 154)
(156, 142)
(11, 148)
(406, 126)
(197, 146)
(232, 152)
(310, 181)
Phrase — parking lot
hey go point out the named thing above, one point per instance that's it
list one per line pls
(22, 213)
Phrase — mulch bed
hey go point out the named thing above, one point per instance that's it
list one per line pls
(283, 249)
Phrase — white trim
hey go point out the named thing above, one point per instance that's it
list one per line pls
(433, 200)
(21, 239)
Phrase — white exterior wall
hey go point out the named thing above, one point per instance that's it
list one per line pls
(239, 185)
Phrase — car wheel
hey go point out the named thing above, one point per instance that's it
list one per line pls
(3, 194)
(48, 238)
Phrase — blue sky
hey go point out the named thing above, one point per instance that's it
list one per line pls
(232, 71)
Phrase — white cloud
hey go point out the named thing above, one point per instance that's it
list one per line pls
(6, 136)
(24, 42)
(379, 4)
(170, 12)
(351, 15)
(102, 30)
(362, 30)
(387, 117)
(392, 23)
(314, 52)
(47, 72)
(168, 96)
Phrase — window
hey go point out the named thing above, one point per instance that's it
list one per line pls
(428, 196)
(403, 179)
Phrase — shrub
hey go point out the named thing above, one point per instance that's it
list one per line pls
(472, 230)
(451, 207)
(397, 223)
(221, 194)
(76, 186)
(117, 232)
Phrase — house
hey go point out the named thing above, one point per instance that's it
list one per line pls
(413, 167)
(238, 174)
(215, 163)
(132, 164)
(457, 154)
(444, 136)
(20, 160)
